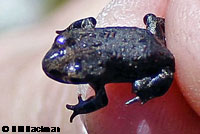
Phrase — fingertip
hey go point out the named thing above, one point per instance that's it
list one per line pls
(183, 40)
(164, 113)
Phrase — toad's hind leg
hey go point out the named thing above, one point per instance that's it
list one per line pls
(156, 26)
(89, 22)
(150, 87)
(91, 104)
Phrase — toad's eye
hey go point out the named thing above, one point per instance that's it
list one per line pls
(60, 39)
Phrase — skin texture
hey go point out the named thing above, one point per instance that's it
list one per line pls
(42, 101)
(188, 67)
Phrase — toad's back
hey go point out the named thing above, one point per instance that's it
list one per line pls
(125, 52)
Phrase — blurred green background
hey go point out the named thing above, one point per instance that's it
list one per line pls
(16, 13)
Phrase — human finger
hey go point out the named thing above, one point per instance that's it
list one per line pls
(169, 113)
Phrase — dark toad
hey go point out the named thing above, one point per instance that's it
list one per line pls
(84, 54)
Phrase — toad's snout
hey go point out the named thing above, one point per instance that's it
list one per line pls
(51, 65)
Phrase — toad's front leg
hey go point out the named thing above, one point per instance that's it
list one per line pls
(91, 104)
